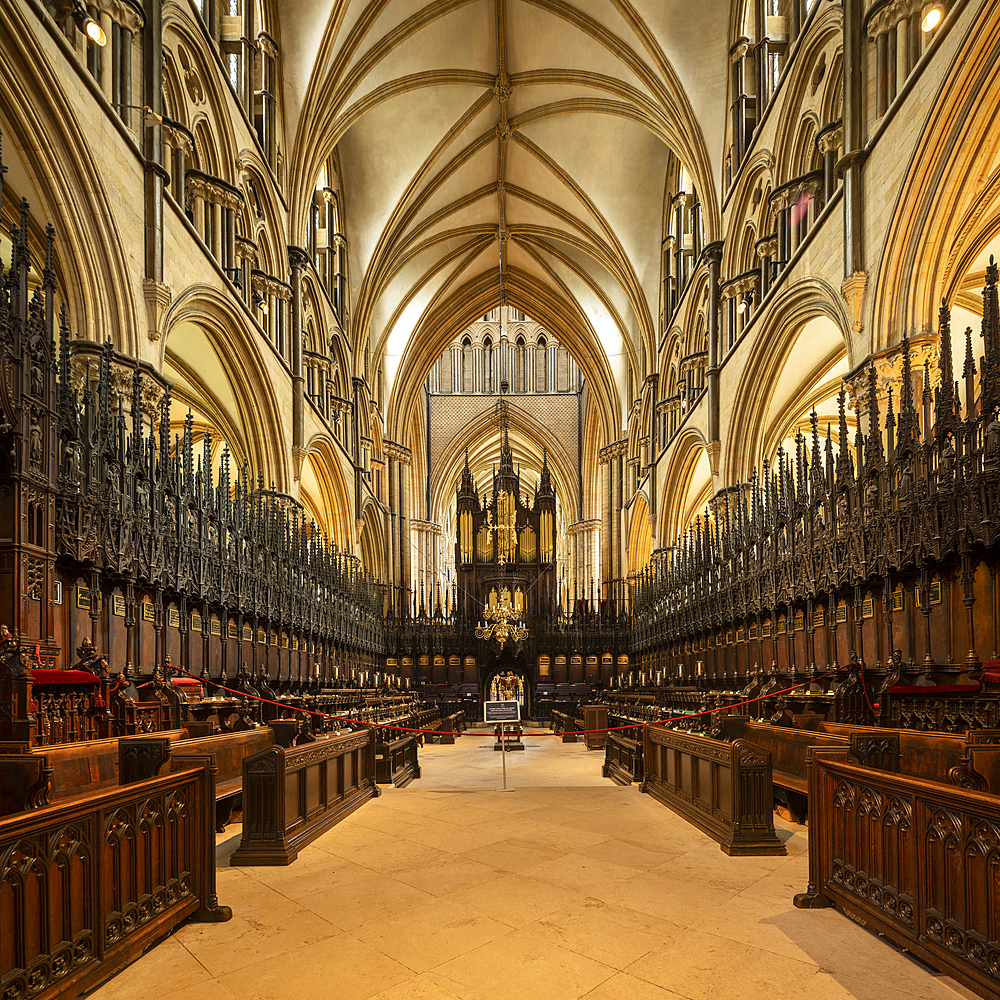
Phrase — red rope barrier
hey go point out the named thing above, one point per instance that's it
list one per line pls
(439, 732)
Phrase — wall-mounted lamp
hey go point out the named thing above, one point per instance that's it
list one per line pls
(88, 25)
(932, 18)
(741, 308)
(260, 302)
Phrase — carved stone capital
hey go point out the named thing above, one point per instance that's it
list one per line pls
(246, 249)
(612, 451)
(830, 142)
(298, 258)
(157, 297)
(397, 451)
(768, 246)
(267, 285)
(853, 290)
(126, 15)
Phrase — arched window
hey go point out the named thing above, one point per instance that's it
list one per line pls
(488, 365)
(541, 367)
(467, 371)
(519, 359)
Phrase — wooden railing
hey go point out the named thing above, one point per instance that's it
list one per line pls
(724, 789)
(86, 886)
(914, 860)
(291, 796)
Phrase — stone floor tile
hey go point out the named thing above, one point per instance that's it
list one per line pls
(371, 897)
(522, 965)
(612, 935)
(450, 875)
(340, 967)
(628, 853)
(167, 968)
(431, 933)
(622, 986)
(705, 967)
(777, 928)
(417, 988)
(516, 900)
(211, 990)
(252, 936)
(576, 871)
(515, 855)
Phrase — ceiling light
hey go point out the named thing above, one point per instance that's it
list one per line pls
(931, 19)
(88, 25)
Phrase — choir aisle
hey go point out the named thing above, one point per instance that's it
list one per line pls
(569, 887)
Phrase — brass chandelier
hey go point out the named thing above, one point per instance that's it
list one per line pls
(502, 623)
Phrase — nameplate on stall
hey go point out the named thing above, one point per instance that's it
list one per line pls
(502, 711)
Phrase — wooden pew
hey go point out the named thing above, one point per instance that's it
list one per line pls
(396, 760)
(724, 789)
(142, 756)
(566, 724)
(449, 728)
(623, 757)
(291, 796)
(63, 855)
(970, 761)
(788, 749)
(910, 859)
(84, 768)
(77, 768)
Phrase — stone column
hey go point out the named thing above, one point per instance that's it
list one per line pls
(829, 142)
(855, 40)
(390, 534)
(713, 256)
(404, 522)
(298, 260)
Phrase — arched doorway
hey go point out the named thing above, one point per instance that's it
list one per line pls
(508, 676)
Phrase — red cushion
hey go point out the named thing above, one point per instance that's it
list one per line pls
(186, 682)
(64, 677)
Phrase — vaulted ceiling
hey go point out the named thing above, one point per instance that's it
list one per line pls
(550, 123)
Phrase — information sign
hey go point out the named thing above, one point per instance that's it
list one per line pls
(502, 711)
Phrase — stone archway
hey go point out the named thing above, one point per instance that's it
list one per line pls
(510, 661)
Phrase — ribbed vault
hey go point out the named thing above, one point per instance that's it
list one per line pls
(553, 124)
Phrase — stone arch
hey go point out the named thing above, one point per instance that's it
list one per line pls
(639, 536)
(938, 213)
(526, 432)
(371, 539)
(804, 102)
(779, 366)
(685, 486)
(217, 360)
(324, 491)
(749, 206)
(68, 190)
